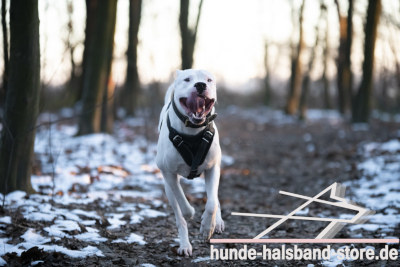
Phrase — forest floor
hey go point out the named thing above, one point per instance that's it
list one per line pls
(100, 199)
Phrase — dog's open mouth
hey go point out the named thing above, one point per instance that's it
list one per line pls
(197, 106)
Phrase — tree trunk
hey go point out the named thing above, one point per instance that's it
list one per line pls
(91, 7)
(267, 78)
(347, 73)
(296, 69)
(188, 35)
(362, 101)
(97, 65)
(344, 75)
(5, 51)
(22, 99)
(73, 86)
(325, 79)
(307, 76)
(132, 82)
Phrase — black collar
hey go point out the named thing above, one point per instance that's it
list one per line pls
(187, 122)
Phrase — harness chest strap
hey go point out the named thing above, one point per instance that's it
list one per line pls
(192, 148)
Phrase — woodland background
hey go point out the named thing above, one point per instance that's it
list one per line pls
(317, 94)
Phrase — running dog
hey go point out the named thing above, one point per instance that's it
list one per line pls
(188, 145)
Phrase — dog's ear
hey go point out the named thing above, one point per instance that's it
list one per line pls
(177, 73)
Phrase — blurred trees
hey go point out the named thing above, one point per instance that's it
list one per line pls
(267, 77)
(22, 98)
(131, 89)
(363, 98)
(305, 87)
(344, 74)
(188, 35)
(325, 60)
(296, 67)
(5, 51)
(75, 76)
(98, 90)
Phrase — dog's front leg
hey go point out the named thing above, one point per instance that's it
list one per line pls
(173, 181)
(185, 248)
(211, 219)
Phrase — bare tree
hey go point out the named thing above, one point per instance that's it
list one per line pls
(89, 32)
(296, 68)
(188, 35)
(5, 49)
(73, 92)
(132, 82)
(97, 65)
(267, 78)
(22, 99)
(344, 75)
(362, 101)
(326, 56)
(311, 63)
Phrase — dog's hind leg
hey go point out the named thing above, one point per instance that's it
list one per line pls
(185, 248)
(212, 212)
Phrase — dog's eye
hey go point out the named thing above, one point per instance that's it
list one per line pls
(209, 80)
(187, 80)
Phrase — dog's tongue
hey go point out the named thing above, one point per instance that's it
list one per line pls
(195, 103)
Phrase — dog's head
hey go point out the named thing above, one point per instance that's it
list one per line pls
(195, 94)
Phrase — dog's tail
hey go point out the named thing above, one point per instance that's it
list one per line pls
(167, 100)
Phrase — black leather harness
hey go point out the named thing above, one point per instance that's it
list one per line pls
(192, 148)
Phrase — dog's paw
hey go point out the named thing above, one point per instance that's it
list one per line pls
(207, 225)
(185, 249)
(219, 225)
(188, 213)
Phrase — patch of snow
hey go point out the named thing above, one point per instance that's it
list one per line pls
(82, 253)
(150, 213)
(115, 220)
(60, 226)
(17, 197)
(86, 213)
(5, 219)
(201, 259)
(367, 227)
(302, 212)
(133, 238)
(227, 160)
(147, 265)
(135, 218)
(40, 216)
(91, 237)
(88, 222)
(34, 263)
(32, 237)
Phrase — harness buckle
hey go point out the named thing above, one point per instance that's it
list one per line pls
(177, 140)
(208, 135)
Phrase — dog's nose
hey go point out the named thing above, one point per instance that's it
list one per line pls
(200, 87)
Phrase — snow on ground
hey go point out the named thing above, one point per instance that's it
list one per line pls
(82, 170)
(262, 115)
(79, 171)
(378, 189)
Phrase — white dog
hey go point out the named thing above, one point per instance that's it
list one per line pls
(188, 145)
